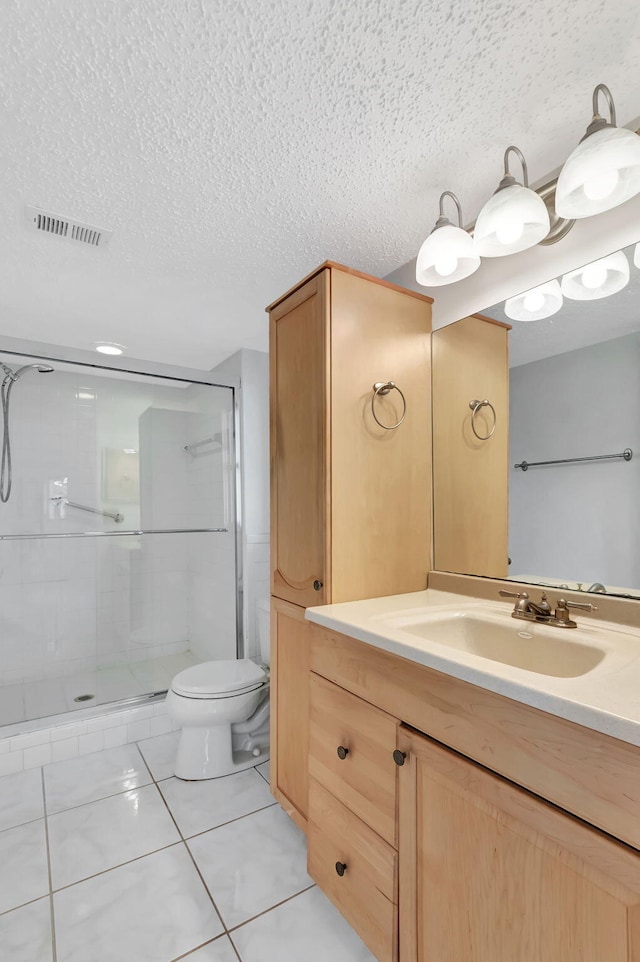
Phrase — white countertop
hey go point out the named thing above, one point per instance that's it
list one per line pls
(605, 699)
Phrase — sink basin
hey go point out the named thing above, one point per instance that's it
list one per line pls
(560, 652)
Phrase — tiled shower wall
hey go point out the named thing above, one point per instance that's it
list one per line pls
(72, 604)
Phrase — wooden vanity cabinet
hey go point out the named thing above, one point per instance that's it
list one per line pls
(478, 868)
(470, 476)
(491, 873)
(350, 505)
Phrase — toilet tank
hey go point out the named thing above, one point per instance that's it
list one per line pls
(264, 613)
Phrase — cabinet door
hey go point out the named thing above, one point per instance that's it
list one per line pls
(380, 479)
(490, 873)
(290, 708)
(299, 426)
(470, 476)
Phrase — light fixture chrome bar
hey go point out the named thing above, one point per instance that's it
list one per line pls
(625, 455)
(114, 515)
(109, 534)
(216, 439)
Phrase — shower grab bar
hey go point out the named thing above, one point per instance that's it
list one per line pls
(115, 515)
(109, 534)
(216, 439)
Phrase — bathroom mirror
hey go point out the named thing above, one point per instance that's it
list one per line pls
(574, 429)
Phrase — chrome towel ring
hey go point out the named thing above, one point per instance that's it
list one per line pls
(381, 388)
(477, 406)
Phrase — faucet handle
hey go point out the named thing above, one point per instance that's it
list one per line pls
(513, 594)
(574, 604)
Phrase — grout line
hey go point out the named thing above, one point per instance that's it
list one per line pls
(112, 868)
(238, 818)
(204, 945)
(257, 767)
(271, 908)
(22, 905)
(54, 951)
(184, 842)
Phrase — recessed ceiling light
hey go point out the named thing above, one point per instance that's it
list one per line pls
(104, 347)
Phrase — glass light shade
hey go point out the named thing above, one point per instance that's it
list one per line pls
(446, 256)
(601, 173)
(636, 256)
(513, 220)
(599, 279)
(536, 304)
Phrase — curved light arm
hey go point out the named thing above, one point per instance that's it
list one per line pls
(603, 89)
(520, 156)
(449, 193)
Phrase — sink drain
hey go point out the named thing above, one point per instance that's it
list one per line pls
(84, 697)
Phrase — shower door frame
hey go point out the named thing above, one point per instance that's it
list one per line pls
(37, 351)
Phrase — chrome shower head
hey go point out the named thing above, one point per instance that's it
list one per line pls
(40, 368)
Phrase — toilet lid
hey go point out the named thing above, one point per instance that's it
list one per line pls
(218, 678)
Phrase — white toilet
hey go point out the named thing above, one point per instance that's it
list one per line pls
(223, 707)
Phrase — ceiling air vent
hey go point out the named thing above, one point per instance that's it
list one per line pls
(45, 222)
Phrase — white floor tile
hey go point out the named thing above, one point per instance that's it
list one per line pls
(219, 951)
(160, 754)
(307, 927)
(100, 835)
(151, 910)
(198, 806)
(90, 777)
(25, 934)
(252, 864)
(24, 875)
(21, 798)
(264, 770)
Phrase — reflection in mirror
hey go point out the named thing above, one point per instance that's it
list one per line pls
(574, 434)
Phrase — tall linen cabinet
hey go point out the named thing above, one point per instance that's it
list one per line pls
(350, 500)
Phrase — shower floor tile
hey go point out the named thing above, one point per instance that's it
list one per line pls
(30, 700)
(127, 883)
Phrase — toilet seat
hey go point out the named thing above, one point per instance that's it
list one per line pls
(219, 679)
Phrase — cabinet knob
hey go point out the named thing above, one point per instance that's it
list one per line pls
(341, 868)
(342, 752)
(399, 757)
(317, 585)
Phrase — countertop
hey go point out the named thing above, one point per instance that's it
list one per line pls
(605, 699)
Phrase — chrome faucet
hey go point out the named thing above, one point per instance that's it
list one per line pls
(596, 586)
(527, 610)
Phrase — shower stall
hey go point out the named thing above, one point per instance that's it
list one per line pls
(118, 562)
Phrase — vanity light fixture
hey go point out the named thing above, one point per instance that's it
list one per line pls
(599, 279)
(447, 255)
(514, 218)
(536, 304)
(604, 169)
(104, 347)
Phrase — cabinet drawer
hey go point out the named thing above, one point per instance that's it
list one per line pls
(366, 892)
(364, 778)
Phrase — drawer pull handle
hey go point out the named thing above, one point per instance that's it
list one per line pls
(317, 585)
(342, 752)
(399, 757)
(341, 868)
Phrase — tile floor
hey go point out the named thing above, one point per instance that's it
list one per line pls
(109, 857)
(53, 696)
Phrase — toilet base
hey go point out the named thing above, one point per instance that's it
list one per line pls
(208, 753)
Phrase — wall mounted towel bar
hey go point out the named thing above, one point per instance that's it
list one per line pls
(626, 455)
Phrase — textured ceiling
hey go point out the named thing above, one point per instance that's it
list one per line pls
(232, 146)
(577, 324)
